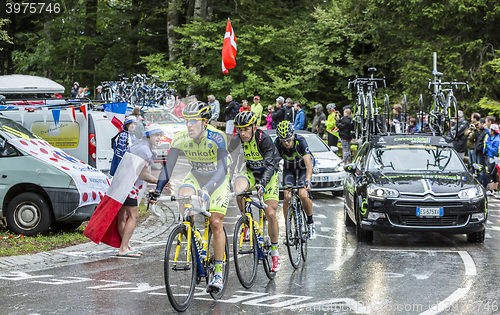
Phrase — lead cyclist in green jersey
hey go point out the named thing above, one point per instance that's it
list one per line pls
(262, 160)
(206, 150)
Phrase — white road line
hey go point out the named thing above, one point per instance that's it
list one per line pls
(487, 236)
(470, 267)
(446, 303)
(338, 263)
(320, 216)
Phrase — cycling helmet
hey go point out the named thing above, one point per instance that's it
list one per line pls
(284, 130)
(245, 119)
(330, 106)
(197, 109)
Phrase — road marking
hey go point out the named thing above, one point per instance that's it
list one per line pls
(446, 303)
(338, 263)
(487, 236)
(470, 267)
(320, 216)
(325, 229)
(494, 228)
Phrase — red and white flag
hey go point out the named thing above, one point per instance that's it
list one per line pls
(116, 113)
(102, 225)
(229, 49)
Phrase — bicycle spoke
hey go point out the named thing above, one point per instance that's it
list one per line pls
(245, 253)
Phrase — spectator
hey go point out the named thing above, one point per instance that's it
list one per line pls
(257, 109)
(289, 111)
(230, 112)
(492, 151)
(74, 90)
(86, 92)
(460, 142)
(319, 116)
(480, 157)
(346, 126)
(215, 108)
(278, 114)
(179, 106)
(269, 118)
(98, 96)
(139, 129)
(489, 120)
(300, 118)
(471, 134)
(244, 106)
(331, 122)
(122, 141)
(412, 128)
(396, 122)
(80, 93)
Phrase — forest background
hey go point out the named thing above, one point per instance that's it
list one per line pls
(303, 49)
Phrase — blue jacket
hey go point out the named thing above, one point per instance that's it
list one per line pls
(300, 120)
(492, 145)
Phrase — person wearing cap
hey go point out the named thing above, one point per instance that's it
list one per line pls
(98, 96)
(257, 109)
(492, 151)
(115, 226)
(319, 116)
(122, 141)
(331, 125)
(278, 113)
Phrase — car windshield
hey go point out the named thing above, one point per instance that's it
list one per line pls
(14, 130)
(161, 117)
(412, 158)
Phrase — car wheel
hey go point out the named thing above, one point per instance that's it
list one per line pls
(362, 235)
(347, 219)
(476, 237)
(28, 214)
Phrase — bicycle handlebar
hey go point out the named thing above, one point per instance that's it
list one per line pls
(181, 198)
(250, 193)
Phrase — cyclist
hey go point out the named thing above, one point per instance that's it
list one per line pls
(298, 163)
(205, 148)
(262, 161)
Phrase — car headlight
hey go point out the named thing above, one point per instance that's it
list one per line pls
(470, 193)
(380, 193)
(339, 167)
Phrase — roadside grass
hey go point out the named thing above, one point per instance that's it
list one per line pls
(14, 245)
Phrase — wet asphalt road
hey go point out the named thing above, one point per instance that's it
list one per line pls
(418, 273)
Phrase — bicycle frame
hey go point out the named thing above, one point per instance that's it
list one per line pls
(260, 226)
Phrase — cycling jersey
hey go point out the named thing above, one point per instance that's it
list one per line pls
(208, 159)
(261, 156)
(293, 157)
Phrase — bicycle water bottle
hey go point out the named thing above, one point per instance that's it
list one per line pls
(199, 243)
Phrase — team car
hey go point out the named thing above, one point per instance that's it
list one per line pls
(409, 183)
(328, 171)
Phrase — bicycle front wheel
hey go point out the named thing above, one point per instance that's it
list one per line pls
(245, 255)
(293, 238)
(304, 232)
(180, 275)
(211, 265)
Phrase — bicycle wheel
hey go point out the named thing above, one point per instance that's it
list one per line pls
(180, 276)
(210, 268)
(369, 123)
(434, 122)
(293, 237)
(451, 117)
(420, 114)
(245, 256)
(304, 231)
(265, 251)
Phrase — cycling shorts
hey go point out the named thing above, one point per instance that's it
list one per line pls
(272, 188)
(219, 199)
(290, 177)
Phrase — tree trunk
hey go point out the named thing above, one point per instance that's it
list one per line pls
(200, 9)
(172, 21)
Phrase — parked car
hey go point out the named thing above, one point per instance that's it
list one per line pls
(409, 183)
(328, 173)
(42, 186)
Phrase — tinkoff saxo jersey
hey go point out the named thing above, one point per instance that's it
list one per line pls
(203, 156)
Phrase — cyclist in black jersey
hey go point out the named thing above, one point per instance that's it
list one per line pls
(262, 162)
(298, 164)
(205, 148)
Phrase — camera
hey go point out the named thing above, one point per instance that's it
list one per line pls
(472, 126)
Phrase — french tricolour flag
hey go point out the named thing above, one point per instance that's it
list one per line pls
(116, 113)
(102, 225)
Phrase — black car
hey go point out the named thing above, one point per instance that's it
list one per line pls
(408, 183)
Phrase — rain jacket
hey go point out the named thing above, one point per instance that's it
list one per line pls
(331, 124)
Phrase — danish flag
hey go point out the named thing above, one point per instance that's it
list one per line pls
(229, 49)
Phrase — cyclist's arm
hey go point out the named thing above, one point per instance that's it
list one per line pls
(233, 145)
(166, 172)
(309, 168)
(271, 158)
(220, 173)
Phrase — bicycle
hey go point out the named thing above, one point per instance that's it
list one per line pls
(443, 109)
(189, 257)
(297, 231)
(251, 242)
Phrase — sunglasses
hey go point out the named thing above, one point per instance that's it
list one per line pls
(193, 121)
(287, 140)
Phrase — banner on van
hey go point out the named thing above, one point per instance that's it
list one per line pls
(91, 183)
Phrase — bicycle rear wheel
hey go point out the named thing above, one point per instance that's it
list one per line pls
(245, 256)
(451, 117)
(180, 276)
(265, 251)
(304, 231)
(293, 237)
(211, 265)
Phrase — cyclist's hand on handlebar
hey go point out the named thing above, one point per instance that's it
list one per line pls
(308, 185)
(203, 194)
(260, 189)
(153, 196)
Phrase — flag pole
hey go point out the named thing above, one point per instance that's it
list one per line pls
(242, 78)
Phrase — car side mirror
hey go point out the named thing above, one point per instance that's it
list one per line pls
(334, 149)
(350, 168)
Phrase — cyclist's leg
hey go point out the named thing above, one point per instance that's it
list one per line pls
(271, 198)
(243, 182)
(289, 178)
(189, 187)
(307, 204)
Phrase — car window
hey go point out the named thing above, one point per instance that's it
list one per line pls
(360, 159)
(14, 130)
(422, 159)
(161, 117)
(315, 143)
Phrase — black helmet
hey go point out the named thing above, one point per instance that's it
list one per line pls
(197, 110)
(245, 119)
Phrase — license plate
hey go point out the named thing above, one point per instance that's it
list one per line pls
(429, 212)
(319, 179)
(161, 152)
